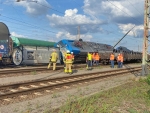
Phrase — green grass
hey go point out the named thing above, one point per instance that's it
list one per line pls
(130, 98)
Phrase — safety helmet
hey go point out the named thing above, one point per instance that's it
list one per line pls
(71, 52)
(68, 51)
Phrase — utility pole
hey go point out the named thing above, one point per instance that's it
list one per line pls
(79, 32)
(145, 38)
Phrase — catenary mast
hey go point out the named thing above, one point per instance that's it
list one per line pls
(145, 38)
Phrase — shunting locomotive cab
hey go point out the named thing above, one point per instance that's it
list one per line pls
(5, 44)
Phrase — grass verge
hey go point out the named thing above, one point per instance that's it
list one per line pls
(132, 97)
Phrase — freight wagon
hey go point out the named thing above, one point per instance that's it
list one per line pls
(19, 50)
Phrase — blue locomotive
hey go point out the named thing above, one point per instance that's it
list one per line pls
(80, 48)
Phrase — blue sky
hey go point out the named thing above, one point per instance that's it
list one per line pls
(102, 21)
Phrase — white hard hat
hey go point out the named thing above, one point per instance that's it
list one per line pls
(68, 51)
(71, 52)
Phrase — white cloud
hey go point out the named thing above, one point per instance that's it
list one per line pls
(113, 7)
(100, 13)
(59, 34)
(124, 13)
(71, 20)
(35, 8)
(17, 35)
(136, 32)
(119, 11)
(71, 12)
(67, 35)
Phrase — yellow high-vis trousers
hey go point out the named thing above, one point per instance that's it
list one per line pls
(54, 65)
(68, 68)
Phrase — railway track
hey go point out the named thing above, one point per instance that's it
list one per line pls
(40, 68)
(28, 90)
(37, 69)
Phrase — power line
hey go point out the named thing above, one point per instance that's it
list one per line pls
(26, 23)
(50, 8)
(134, 7)
(122, 10)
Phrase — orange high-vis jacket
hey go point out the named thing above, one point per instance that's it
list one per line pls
(119, 58)
(93, 56)
(97, 57)
(112, 57)
(68, 58)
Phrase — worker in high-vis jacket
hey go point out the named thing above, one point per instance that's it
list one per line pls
(97, 58)
(53, 59)
(112, 57)
(119, 60)
(89, 61)
(68, 61)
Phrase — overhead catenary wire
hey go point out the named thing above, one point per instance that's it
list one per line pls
(31, 25)
(12, 22)
(134, 7)
(123, 11)
(26, 23)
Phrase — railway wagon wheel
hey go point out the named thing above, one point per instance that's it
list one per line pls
(17, 56)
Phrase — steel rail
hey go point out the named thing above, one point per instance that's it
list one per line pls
(83, 78)
(31, 69)
(61, 78)
(23, 70)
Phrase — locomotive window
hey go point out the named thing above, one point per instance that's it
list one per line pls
(61, 44)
